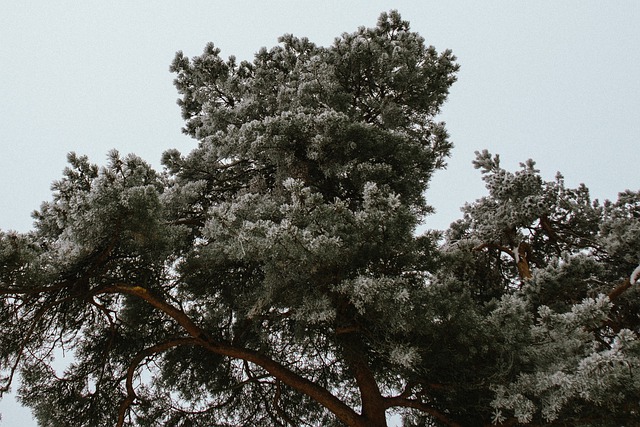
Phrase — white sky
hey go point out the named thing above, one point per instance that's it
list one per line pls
(558, 82)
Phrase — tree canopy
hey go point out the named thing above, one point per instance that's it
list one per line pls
(274, 275)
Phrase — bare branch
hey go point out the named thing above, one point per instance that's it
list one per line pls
(133, 366)
(403, 402)
(504, 249)
(320, 394)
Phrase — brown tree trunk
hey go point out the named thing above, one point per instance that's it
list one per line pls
(349, 337)
(373, 403)
(522, 260)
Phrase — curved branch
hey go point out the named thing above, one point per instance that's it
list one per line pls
(545, 224)
(618, 290)
(36, 319)
(521, 254)
(403, 402)
(320, 394)
(131, 393)
(96, 261)
(501, 248)
(10, 290)
(276, 405)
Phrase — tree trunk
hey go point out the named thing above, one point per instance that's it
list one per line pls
(373, 403)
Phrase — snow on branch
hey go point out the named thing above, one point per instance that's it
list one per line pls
(634, 276)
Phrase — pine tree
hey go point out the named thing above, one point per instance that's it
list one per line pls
(273, 275)
(556, 271)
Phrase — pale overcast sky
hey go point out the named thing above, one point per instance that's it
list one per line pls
(556, 81)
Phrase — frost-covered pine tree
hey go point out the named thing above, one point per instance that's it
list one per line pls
(273, 275)
(551, 275)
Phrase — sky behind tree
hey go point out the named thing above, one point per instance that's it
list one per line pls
(553, 81)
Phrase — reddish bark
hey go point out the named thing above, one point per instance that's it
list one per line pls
(321, 395)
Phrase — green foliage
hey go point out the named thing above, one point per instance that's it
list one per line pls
(272, 276)
(578, 334)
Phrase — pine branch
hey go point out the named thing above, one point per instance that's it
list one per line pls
(320, 394)
(133, 366)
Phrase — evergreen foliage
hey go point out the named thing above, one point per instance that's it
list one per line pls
(273, 275)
